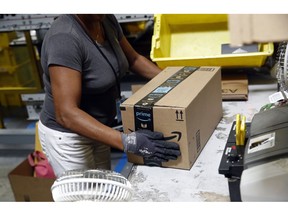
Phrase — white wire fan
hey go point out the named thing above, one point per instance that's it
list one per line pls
(91, 185)
(280, 69)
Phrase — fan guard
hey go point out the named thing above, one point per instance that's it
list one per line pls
(91, 185)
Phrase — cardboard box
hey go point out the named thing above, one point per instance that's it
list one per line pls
(136, 87)
(249, 28)
(184, 103)
(26, 187)
(234, 86)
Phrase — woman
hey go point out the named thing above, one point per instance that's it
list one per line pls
(83, 58)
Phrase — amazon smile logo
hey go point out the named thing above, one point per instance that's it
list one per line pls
(174, 135)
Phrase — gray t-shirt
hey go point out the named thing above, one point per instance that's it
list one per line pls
(67, 44)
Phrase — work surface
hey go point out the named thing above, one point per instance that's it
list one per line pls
(202, 182)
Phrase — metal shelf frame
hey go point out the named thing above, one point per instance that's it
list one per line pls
(21, 22)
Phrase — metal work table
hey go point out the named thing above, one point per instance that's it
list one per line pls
(202, 182)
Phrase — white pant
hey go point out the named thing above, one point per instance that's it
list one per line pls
(68, 151)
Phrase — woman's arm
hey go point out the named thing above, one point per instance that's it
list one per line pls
(66, 91)
(138, 63)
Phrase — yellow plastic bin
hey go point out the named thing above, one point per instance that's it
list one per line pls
(6, 38)
(196, 40)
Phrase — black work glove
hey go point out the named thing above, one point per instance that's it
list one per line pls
(151, 145)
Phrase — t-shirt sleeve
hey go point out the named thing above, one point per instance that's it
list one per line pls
(63, 50)
(116, 25)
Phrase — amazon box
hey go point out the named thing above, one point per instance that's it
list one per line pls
(184, 103)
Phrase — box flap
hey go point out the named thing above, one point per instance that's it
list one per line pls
(23, 169)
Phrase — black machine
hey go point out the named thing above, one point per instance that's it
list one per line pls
(258, 170)
(231, 165)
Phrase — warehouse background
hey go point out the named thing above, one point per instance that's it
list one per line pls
(21, 95)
